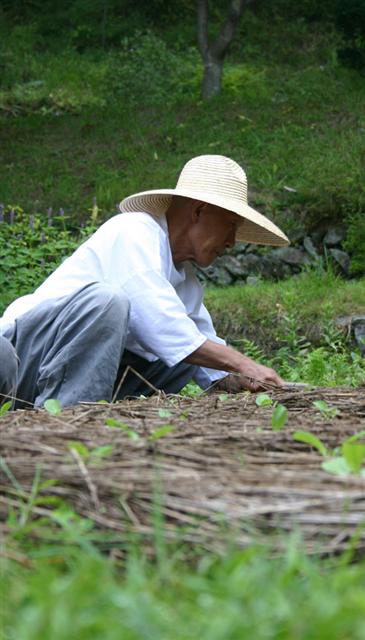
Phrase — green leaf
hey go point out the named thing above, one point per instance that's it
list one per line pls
(279, 417)
(337, 466)
(321, 405)
(325, 409)
(102, 452)
(354, 454)
(133, 435)
(312, 440)
(111, 422)
(164, 413)
(161, 432)
(53, 406)
(356, 436)
(223, 396)
(5, 408)
(263, 400)
(81, 449)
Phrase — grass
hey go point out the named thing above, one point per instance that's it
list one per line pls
(250, 593)
(312, 300)
(81, 131)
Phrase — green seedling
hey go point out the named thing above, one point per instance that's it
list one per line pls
(92, 456)
(53, 407)
(5, 408)
(354, 454)
(349, 462)
(280, 413)
(337, 466)
(164, 413)
(279, 417)
(223, 397)
(325, 410)
(133, 435)
(104, 451)
(161, 432)
(80, 448)
(263, 400)
(312, 440)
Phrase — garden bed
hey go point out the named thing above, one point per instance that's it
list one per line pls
(209, 466)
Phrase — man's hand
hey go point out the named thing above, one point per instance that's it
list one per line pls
(244, 372)
(257, 378)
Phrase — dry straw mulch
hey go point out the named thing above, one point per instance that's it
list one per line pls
(221, 471)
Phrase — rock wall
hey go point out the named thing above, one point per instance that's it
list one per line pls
(251, 263)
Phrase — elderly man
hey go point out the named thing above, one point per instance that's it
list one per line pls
(127, 308)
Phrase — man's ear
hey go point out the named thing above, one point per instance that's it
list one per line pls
(196, 210)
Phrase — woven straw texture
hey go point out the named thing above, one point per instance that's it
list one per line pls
(219, 181)
(220, 470)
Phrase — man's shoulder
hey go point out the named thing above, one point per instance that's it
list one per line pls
(133, 220)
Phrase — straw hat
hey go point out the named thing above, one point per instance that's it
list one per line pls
(219, 181)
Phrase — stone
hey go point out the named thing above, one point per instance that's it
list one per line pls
(342, 259)
(334, 236)
(217, 274)
(358, 325)
(292, 256)
(310, 248)
(317, 236)
(253, 281)
(239, 247)
(353, 326)
(250, 264)
(233, 266)
(273, 268)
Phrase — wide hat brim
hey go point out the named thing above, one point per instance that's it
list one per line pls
(256, 229)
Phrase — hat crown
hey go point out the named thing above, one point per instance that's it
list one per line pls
(217, 175)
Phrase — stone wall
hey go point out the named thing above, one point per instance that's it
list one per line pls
(252, 263)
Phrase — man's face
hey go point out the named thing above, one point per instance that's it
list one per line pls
(213, 232)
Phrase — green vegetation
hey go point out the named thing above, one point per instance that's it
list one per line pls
(99, 100)
(239, 594)
(84, 121)
(290, 324)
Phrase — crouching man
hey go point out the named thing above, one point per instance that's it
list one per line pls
(128, 298)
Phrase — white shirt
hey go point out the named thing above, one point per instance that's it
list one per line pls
(131, 251)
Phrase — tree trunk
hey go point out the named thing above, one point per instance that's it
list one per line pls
(213, 53)
(212, 78)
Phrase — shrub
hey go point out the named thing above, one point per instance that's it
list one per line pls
(31, 247)
(145, 71)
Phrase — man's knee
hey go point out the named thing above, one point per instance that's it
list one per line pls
(8, 368)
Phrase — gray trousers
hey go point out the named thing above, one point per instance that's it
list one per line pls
(72, 349)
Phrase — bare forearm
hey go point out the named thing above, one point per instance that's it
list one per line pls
(251, 374)
(217, 356)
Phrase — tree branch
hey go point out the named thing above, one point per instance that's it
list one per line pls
(203, 44)
(220, 46)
